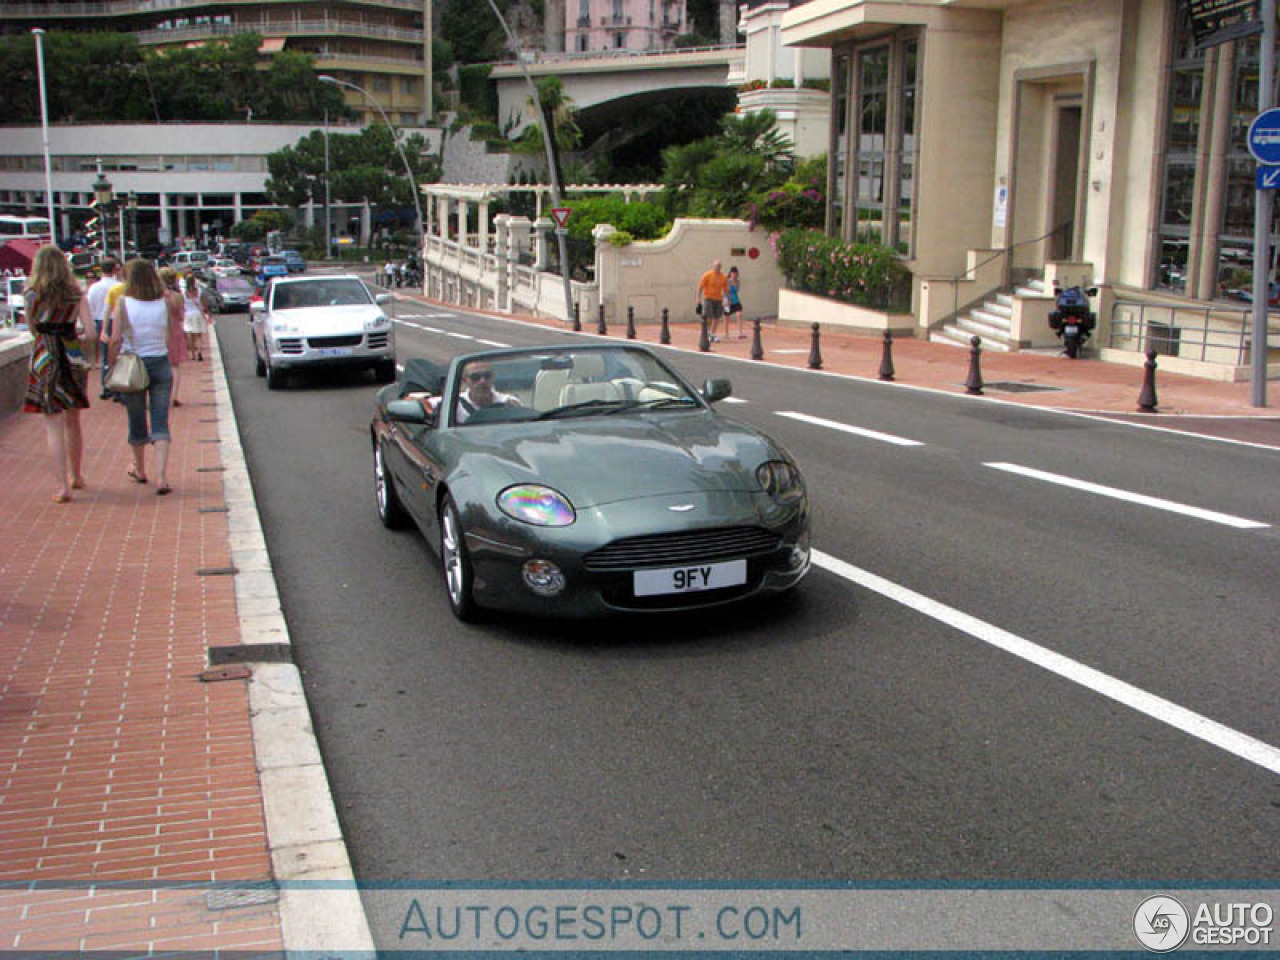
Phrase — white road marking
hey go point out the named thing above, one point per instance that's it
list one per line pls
(1211, 515)
(798, 350)
(733, 400)
(1180, 718)
(458, 336)
(430, 329)
(847, 428)
(492, 343)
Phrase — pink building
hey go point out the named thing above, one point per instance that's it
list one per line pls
(594, 25)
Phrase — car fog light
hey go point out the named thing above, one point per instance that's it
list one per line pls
(799, 553)
(543, 577)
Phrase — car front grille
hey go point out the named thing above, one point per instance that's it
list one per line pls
(346, 340)
(292, 345)
(378, 341)
(679, 549)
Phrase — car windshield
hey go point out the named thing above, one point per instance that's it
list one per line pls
(567, 384)
(331, 292)
(234, 285)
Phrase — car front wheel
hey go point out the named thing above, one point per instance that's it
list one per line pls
(457, 565)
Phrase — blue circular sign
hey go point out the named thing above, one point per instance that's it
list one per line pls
(1264, 137)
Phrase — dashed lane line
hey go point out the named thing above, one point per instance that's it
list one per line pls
(492, 343)
(849, 428)
(1165, 711)
(1213, 516)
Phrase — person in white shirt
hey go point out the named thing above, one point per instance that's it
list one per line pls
(98, 310)
(478, 377)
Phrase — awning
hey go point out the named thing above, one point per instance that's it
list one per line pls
(271, 45)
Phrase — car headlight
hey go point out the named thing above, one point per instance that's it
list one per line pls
(540, 506)
(376, 322)
(781, 480)
(280, 326)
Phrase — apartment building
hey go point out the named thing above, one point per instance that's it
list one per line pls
(380, 46)
(594, 25)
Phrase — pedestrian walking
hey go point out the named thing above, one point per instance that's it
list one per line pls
(58, 374)
(390, 271)
(733, 302)
(195, 318)
(177, 337)
(141, 321)
(101, 317)
(711, 293)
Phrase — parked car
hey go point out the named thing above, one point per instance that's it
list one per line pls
(294, 260)
(231, 294)
(595, 480)
(329, 321)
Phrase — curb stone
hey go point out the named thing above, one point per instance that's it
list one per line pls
(304, 837)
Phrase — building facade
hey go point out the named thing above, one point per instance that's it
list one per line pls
(591, 26)
(381, 46)
(1091, 132)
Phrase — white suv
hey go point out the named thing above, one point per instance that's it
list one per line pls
(329, 321)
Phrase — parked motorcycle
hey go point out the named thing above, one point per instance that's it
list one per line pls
(1073, 321)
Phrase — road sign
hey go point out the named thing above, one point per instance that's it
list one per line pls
(1268, 178)
(1264, 137)
(561, 214)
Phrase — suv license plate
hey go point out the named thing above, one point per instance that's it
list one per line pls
(701, 576)
(333, 352)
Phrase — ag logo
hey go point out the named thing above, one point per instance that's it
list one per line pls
(1161, 924)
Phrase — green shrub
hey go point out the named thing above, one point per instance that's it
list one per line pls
(643, 221)
(865, 274)
(621, 238)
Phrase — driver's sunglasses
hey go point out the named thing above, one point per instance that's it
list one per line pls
(480, 375)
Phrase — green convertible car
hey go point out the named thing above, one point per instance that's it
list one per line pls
(584, 480)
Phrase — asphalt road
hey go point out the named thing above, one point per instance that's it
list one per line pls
(989, 675)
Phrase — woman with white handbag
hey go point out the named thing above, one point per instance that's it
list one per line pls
(141, 328)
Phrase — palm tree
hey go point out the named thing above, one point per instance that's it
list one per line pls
(757, 134)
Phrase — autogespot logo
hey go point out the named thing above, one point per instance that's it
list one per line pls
(1161, 924)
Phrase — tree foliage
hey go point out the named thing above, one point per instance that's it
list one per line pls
(362, 166)
(109, 78)
(717, 176)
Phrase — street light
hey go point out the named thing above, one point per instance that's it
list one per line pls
(413, 184)
(38, 33)
(132, 208)
(104, 199)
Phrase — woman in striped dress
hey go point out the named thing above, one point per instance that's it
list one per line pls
(58, 317)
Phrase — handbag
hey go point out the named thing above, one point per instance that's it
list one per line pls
(128, 374)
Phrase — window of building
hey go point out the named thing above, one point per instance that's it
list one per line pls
(381, 84)
(619, 41)
(408, 86)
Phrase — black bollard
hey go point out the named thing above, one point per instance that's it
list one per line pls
(704, 341)
(815, 350)
(664, 337)
(1147, 398)
(886, 357)
(577, 317)
(973, 385)
(631, 323)
(757, 349)
(601, 328)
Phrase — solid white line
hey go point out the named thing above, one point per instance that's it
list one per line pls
(846, 428)
(458, 336)
(1210, 731)
(733, 400)
(430, 329)
(1211, 515)
(492, 343)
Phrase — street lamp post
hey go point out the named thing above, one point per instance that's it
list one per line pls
(328, 218)
(132, 208)
(413, 184)
(562, 244)
(44, 133)
(105, 200)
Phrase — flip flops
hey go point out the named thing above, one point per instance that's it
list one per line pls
(163, 490)
(136, 476)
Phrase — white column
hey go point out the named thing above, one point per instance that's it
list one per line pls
(483, 226)
(463, 227)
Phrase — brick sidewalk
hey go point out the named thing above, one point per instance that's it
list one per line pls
(118, 765)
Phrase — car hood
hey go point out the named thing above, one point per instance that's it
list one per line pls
(319, 321)
(599, 460)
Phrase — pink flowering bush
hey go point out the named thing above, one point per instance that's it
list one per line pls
(864, 274)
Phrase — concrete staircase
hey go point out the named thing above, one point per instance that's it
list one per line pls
(989, 320)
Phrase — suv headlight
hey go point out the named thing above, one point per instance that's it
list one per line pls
(781, 480)
(286, 327)
(376, 323)
(540, 506)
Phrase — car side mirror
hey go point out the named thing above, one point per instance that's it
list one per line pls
(257, 306)
(409, 411)
(382, 298)
(1092, 291)
(713, 390)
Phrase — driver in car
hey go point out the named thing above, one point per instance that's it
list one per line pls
(479, 393)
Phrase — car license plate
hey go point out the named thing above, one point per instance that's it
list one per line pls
(1072, 329)
(333, 352)
(700, 576)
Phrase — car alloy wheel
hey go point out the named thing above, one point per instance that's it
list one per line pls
(457, 565)
(390, 510)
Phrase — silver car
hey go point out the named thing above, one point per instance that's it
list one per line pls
(316, 322)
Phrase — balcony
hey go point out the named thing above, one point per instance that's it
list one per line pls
(283, 28)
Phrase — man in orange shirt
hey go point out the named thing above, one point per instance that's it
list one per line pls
(712, 289)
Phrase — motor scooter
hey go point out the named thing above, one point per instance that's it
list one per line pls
(1073, 321)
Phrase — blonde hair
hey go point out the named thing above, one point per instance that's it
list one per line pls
(141, 282)
(51, 281)
(169, 277)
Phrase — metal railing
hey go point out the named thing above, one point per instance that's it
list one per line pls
(725, 48)
(280, 28)
(1002, 252)
(1204, 333)
(118, 8)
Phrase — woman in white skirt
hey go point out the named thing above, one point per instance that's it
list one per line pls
(195, 318)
